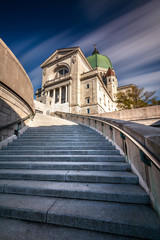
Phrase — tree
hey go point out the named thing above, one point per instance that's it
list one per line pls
(135, 97)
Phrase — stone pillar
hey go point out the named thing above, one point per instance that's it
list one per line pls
(66, 96)
(60, 94)
(69, 93)
(54, 93)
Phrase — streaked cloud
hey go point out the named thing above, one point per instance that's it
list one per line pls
(36, 77)
(45, 48)
(149, 81)
(131, 42)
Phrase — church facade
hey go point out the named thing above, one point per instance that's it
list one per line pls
(76, 84)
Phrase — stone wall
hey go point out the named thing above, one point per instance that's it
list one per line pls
(145, 115)
(16, 92)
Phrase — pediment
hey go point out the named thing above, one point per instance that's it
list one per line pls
(59, 54)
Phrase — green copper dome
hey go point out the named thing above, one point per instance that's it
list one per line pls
(97, 60)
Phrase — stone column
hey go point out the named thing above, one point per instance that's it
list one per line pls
(66, 98)
(60, 94)
(69, 93)
(54, 92)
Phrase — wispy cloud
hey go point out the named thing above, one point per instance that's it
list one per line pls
(36, 77)
(131, 42)
(33, 58)
(151, 80)
(42, 50)
(22, 45)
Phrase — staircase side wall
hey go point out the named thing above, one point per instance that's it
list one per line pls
(149, 137)
(16, 92)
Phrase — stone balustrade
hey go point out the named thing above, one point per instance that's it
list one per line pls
(148, 137)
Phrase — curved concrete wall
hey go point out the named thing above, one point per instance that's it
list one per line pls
(13, 75)
(16, 92)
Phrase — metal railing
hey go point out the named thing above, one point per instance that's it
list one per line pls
(145, 153)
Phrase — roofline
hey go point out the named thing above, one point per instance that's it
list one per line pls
(55, 53)
(67, 48)
(85, 59)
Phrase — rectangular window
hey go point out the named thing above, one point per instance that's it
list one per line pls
(87, 100)
(88, 111)
(88, 85)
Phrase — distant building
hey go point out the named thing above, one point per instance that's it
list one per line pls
(73, 83)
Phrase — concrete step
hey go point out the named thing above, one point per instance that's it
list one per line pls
(11, 228)
(61, 134)
(128, 193)
(64, 158)
(65, 147)
(59, 152)
(97, 166)
(70, 176)
(134, 220)
(60, 143)
(62, 130)
(51, 133)
(61, 140)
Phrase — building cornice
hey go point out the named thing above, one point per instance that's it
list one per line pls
(47, 63)
(59, 83)
(76, 50)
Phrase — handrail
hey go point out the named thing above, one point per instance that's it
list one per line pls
(16, 122)
(154, 160)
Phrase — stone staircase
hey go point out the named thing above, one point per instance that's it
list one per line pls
(73, 182)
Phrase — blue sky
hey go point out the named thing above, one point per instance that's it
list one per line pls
(127, 31)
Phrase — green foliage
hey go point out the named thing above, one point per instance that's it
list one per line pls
(136, 97)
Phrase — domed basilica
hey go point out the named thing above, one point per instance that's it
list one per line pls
(76, 84)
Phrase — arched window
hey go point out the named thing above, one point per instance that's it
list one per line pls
(62, 71)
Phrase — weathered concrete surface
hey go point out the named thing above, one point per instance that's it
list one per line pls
(97, 216)
(25, 230)
(145, 115)
(16, 92)
(31, 208)
(149, 137)
(13, 75)
(47, 187)
(129, 193)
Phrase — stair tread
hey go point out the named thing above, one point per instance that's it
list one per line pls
(67, 163)
(60, 152)
(70, 175)
(11, 228)
(106, 188)
(127, 219)
(72, 172)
